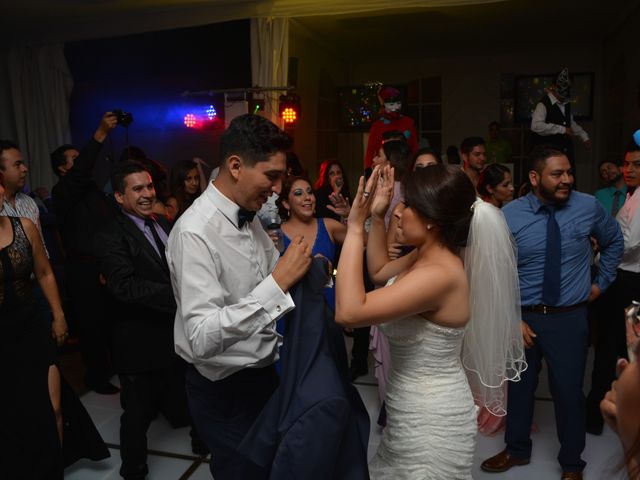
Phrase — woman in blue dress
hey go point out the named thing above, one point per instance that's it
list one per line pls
(297, 204)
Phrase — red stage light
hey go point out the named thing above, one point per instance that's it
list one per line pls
(290, 110)
(289, 115)
(190, 120)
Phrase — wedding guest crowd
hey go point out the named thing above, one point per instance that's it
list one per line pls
(179, 289)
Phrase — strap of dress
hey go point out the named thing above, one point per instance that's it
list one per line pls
(323, 243)
(18, 230)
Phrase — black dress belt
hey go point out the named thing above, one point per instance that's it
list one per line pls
(546, 309)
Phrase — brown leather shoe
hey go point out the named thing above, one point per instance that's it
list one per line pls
(502, 462)
(571, 476)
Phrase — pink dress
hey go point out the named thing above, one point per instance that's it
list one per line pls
(379, 345)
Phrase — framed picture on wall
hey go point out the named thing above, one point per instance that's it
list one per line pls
(359, 106)
(529, 89)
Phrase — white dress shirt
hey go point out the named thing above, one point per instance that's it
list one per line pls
(227, 300)
(539, 126)
(629, 219)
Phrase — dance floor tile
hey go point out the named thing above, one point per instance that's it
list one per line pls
(166, 439)
(110, 429)
(201, 473)
(93, 399)
(163, 468)
(106, 469)
(602, 453)
(369, 395)
(160, 468)
(102, 416)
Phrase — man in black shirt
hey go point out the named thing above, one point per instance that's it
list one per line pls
(82, 208)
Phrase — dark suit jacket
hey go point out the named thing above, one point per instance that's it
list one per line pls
(315, 426)
(141, 299)
(82, 209)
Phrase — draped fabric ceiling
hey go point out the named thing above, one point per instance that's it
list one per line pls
(44, 21)
(41, 83)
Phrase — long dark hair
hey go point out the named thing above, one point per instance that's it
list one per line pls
(324, 183)
(284, 194)
(492, 176)
(178, 175)
(442, 194)
(399, 155)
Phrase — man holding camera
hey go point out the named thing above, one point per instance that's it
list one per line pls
(82, 208)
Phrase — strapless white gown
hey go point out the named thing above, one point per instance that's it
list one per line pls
(431, 416)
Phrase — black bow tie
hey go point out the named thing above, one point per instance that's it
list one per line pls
(245, 216)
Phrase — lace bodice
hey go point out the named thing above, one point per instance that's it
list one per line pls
(423, 347)
(16, 267)
(431, 416)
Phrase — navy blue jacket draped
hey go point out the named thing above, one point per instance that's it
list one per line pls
(315, 425)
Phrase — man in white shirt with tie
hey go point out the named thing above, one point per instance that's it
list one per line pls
(611, 341)
(231, 286)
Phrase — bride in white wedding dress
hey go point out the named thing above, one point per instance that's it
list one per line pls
(452, 325)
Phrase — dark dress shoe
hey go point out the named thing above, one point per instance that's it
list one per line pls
(139, 472)
(571, 476)
(502, 462)
(105, 388)
(198, 447)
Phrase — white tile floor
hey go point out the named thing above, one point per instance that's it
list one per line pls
(171, 457)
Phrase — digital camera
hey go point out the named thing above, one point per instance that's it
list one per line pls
(123, 118)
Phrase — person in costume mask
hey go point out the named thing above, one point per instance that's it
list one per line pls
(552, 122)
(390, 119)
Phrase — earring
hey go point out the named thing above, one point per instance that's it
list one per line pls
(429, 227)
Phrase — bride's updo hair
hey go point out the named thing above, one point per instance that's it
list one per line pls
(442, 194)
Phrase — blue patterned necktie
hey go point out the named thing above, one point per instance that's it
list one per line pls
(551, 279)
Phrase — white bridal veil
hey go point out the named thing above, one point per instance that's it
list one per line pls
(493, 349)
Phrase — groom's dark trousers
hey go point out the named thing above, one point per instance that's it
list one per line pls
(562, 340)
(224, 411)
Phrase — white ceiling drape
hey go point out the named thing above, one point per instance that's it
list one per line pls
(40, 84)
(270, 59)
(84, 20)
(307, 8)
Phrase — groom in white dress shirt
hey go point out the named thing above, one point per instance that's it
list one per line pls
(231, 286)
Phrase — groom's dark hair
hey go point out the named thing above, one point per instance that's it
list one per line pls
(253, 138)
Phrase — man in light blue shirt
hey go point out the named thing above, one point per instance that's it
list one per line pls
(552, 227)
